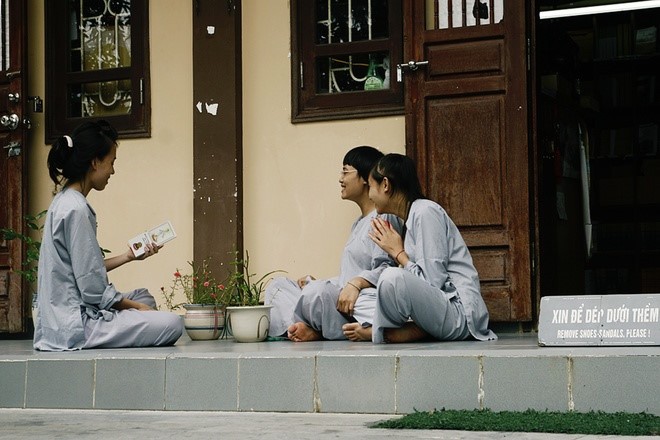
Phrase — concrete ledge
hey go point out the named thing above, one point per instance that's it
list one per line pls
(513, 373)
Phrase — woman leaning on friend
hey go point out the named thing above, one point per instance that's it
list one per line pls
(435, 293)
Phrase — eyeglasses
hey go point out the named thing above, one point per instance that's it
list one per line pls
(343, 172)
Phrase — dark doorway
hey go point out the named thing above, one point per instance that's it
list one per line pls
(599, 170)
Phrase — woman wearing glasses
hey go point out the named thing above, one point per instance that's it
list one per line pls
(309, 309)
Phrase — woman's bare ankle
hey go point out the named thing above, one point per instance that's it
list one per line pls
(409, 332)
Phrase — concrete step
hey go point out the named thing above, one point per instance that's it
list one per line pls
(513, 373)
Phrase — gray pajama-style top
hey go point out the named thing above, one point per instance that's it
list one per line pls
(76, 299)
(76, 282)
(439, 256)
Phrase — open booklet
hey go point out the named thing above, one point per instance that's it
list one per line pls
(159, 235)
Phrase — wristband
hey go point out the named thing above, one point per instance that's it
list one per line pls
(354, 286)
(396, 259)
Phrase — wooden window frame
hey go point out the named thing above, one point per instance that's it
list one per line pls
(58, 77)
(306, 104)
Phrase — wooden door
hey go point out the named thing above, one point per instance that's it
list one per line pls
(466, 127)
(13, 137)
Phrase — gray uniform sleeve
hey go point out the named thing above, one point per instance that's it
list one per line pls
(380, 260)
(429, 246)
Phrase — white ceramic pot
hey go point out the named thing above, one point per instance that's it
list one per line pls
(249, 324)
(203, 322)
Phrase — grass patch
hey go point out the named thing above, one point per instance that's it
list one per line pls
(529, 421)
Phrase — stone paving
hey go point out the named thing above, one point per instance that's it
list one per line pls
(31, 424)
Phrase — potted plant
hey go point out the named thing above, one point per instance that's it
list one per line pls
(248, 319)
(205, 300)
(30, 263)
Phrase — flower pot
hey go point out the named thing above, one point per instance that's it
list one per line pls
(203, 322)
(250, 323)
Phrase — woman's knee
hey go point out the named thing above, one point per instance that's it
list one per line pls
(315, 295)
(170, 322)
(143, 296)
(389, 280)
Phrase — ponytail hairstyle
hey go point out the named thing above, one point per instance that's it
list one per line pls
(401, 173)
(70, 157)
(363, 159)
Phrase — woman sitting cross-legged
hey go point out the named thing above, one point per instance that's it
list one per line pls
(78, 307)
(310, 309)
(435, 294)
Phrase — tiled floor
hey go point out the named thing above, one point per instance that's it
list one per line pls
(334, 376)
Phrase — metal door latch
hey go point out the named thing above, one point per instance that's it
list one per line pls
(37, 103)
(410, 65)
(13, 149)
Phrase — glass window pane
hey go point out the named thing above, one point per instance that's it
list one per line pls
(445, 14)
(100, 34)
(107, 98)
(344, 21)
(352, 73)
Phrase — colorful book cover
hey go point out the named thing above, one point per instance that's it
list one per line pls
(159, 235)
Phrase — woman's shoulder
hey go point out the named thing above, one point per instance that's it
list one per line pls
(425, 207)
(70, 202)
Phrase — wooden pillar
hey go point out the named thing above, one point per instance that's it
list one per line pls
(217, 137)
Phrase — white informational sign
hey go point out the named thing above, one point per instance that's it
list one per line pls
(600, 320)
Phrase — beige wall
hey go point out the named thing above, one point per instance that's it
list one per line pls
(153, 177)
(294, 219)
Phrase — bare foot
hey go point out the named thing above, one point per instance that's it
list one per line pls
(301, 332)
(356, 333)
(410, 332)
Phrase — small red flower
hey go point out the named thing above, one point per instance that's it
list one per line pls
(221, 286)
(206, 284)
(213, 295)
(177, 274)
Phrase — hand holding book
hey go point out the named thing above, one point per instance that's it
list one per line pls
(157, 236)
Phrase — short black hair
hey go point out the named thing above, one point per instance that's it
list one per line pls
(363, 159)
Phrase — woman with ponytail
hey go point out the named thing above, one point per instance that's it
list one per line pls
(78, 307)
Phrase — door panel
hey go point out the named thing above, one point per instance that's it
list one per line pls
(13, 306)
(466, 127)
(475, 205)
